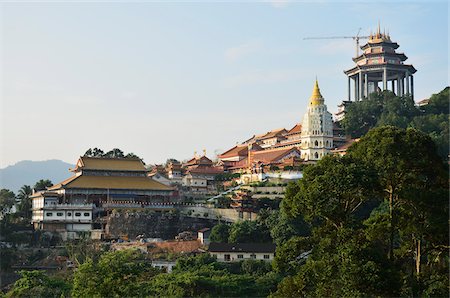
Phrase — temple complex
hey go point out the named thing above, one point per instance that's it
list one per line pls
(98, 185)
(378, 64)
(281, 148)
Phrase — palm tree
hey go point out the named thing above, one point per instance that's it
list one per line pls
(42, 184)
(25, 202)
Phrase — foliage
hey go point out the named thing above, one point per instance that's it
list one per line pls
(25, 202)
(220, 233)
(397, 250)
(114, 153)
(7, 200)
(42, 184)
(249, 232)
(387, 109)
(38, 284)
(116, 274)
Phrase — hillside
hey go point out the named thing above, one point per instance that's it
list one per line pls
(28, 172)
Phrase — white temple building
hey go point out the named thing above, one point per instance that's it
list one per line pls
(317, 128)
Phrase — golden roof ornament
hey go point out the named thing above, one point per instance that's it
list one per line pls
(316, 97)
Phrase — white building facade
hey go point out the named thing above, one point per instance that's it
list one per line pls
(317, 128)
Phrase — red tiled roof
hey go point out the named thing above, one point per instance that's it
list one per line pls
(347, 144)
(238, 150)
(296, 129)
(206, 170)
(273, 155)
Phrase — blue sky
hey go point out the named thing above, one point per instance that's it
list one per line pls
(166, 79)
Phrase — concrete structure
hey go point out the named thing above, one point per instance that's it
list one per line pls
(203, 236)
(317, 128)
(234, 252)
(378, 64)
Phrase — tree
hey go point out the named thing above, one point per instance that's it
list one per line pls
(220, 233)
(38, 284)
(42, 184)
(415, 184)
(334, 190)
(116, 274)
(404, 160)
(25, 201)
(7, 200)
(248, 232)
(115, 153)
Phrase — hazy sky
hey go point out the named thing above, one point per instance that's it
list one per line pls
(167, 79)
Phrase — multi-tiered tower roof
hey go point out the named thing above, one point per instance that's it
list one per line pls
(380, 63)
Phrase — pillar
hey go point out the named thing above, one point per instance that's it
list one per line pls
(348, 90)
(402, 86)
(398, 85)
(407, 82)
(384, 79)
(356, 88)
(366, 85)
(393, 86)
(360, 88)
(412, 87)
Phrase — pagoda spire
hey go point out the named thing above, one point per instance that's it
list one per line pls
(316, 97)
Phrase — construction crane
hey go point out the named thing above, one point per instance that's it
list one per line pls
(355, 38)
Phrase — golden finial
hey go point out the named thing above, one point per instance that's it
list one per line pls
(204, 152)
(316, 98)
(195, 154)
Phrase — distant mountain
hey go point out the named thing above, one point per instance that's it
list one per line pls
(29, 172)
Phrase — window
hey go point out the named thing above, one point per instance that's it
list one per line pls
(252, 256)
(69, 213)
(77, 214)
(49, 214)
(266, 257)
(59, 214)
(240, 256)
(227, 258)
(316, 143)
(86, 214)
(316, 155)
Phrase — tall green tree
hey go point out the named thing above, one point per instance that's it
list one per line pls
(7, 200)
(220, 233)
(38, 284)
(42, 184)
(25, 202)
(405, 160)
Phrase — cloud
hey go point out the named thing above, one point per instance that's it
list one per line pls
(279, 3)
(240, 51)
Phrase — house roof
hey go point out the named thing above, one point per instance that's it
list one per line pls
(346, 145)
(111, 182)
(238, 150)
(205, 170)
(110, 164)
(242, 247)
(273, 133)
(204, 230)
(296, 129)
(272, 155)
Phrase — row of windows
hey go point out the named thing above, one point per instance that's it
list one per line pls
(227, 257)
(77, 214)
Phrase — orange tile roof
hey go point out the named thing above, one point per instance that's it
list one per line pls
(112, 164)
(206, 170)
(273, 155)
(274, 133)
(296, 129)
(238, 150)
(111, 182)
